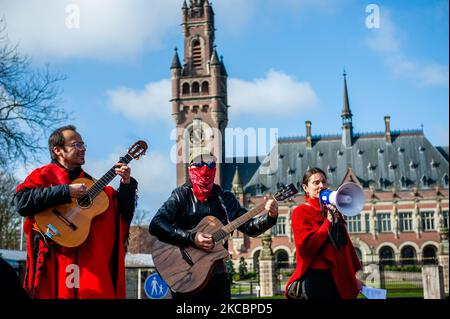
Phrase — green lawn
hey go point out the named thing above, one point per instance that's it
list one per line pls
(395, 289)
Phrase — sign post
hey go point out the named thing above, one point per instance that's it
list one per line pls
(155, 287)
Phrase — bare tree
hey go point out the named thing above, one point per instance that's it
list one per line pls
(141, 218)
(10, 221)
(138, 242)
(28, 104)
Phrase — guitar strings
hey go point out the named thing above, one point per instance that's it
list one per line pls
(91, 193)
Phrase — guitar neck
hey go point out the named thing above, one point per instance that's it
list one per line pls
(107, 178)
(230, 227)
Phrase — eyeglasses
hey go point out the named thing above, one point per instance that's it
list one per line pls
(78, 145)
(210, 165)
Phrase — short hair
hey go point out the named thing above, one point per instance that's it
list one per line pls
(57, 138)
(310, 173)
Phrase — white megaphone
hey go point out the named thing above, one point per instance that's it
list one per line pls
(348, 199)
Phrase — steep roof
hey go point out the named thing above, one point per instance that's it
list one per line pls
(409, 161)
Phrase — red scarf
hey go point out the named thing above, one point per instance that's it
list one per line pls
(202, 179)
(46, 275)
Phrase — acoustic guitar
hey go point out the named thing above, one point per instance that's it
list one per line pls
(188, 269)
(68, 224)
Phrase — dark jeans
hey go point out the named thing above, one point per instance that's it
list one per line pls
(218, 288)
(318, 284)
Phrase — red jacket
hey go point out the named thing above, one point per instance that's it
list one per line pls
(311, 238)
(50, 271)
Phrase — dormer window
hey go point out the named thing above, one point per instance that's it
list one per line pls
(403, 182)
(424, 181)
(434, 164)
(445, 180)
(381, 183)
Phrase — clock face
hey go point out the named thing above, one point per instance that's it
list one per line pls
(199, 133)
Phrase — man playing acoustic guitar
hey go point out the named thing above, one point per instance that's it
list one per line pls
(189, 204)
(96, 268)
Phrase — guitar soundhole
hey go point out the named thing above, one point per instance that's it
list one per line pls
(84, 201)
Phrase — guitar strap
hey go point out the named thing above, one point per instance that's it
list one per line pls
(222, 203)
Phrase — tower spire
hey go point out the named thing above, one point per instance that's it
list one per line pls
(176, 60)
(346, 115)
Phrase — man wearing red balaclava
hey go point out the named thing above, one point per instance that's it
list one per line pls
(189, 204)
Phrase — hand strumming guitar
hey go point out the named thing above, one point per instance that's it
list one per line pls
(204, 241)
(77, 190)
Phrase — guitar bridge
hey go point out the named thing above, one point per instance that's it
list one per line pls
(64, 219)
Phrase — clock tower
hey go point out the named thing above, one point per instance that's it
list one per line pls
(199, 90)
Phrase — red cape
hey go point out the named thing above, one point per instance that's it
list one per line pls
(311, 237)
(50, 271)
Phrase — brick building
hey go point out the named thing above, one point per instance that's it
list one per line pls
(404, 177)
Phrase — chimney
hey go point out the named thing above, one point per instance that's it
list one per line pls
(308, 134)
(387, 132)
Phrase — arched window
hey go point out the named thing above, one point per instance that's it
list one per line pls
(358, 253)
(205, 88)
(386, 256)
(195, 88)
(408, 255)
(196, 54)
(186, 89)
(429, 255)
(282, 259)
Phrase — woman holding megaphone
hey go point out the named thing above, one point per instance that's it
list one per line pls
(326, 259)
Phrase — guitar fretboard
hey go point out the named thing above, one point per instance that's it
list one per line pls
(229, 228)
(106, 179)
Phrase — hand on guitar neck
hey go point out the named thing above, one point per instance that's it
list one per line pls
(123, 171)
(271, 207)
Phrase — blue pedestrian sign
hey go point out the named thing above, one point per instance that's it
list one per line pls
(155, 287)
